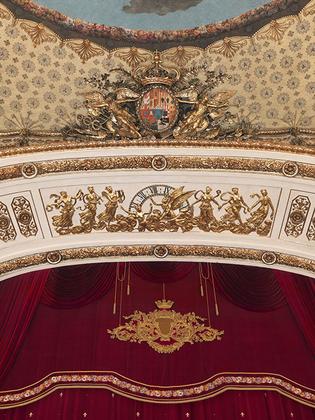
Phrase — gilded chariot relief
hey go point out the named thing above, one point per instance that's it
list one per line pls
(160, 208)
(156, 101)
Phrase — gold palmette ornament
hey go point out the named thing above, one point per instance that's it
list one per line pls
(164, 329)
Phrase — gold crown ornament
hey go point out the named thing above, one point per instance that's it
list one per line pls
(164, 304)
(156, 74)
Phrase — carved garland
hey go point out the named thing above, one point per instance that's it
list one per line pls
(274, 166)
(158, 251)
(171, 395)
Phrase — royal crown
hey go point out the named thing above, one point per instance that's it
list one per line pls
(164, 304)
(156, 74)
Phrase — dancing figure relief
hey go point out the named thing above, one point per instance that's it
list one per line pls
(172, 211)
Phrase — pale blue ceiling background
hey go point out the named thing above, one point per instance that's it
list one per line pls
(110, 12)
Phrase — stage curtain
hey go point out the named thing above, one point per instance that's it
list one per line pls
(300, 294)
(19, 299)
(252, 288)
(70, 287)
(102, 405)
(58, 321)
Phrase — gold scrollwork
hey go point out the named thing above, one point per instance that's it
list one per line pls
(171, 213)
(310, 234)
(297, 216)
(165, 330)
(7, 230)
(24, 216)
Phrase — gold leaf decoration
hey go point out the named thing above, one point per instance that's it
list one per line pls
(181, 55)
(5, 14)
(276, 29)
(39, 33)
(228, 47)
(133, 56)
(85, 49)
(309, 9)
(165, 330)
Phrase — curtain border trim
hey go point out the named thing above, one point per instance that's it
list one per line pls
(129, 388)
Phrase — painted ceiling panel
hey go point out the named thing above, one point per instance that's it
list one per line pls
(153, 14)
(272, 73)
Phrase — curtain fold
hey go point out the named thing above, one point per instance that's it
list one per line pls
(19, 299)
(300, 294)
(71, 287)
(252, 288)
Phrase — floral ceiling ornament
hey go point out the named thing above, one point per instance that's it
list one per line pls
(39, 33)
(5, 14)
(85, 49)
(181, 55)
(164, 329)
(228, 47)
(276, 29)
(133, 56)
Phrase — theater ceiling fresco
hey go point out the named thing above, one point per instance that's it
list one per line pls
(155, 14)
(43, 76)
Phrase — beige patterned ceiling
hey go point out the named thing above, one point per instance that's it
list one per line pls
(272, 72)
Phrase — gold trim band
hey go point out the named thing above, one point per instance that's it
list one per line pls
(274, 166)
(157, 394)
(273, 144)
(198, 251)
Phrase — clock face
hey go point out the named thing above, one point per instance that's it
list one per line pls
(151, 191)
(142, 197)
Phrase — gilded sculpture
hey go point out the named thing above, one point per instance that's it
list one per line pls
(157, 101)
(159, 208)
(164, 329)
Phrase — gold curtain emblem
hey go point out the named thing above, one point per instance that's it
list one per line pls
(164, 329)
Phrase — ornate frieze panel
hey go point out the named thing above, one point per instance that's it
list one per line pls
(17, 217)
(297, 216)
(7, 230)
(311, 229)
(24, 216)
(205, 203)
(162, 208)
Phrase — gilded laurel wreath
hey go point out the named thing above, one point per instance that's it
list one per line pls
(165, 330)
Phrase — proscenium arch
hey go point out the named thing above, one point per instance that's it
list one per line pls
(35, 174)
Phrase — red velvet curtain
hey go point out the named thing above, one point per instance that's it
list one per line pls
(98, 404)
(56, 320)
(19, 299)
(300, 294)
(71, 287)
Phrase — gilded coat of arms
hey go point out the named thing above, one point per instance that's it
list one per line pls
(164, 329)
(157, 101)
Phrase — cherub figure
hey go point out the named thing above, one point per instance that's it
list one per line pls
(120, 122)
(205, 112)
